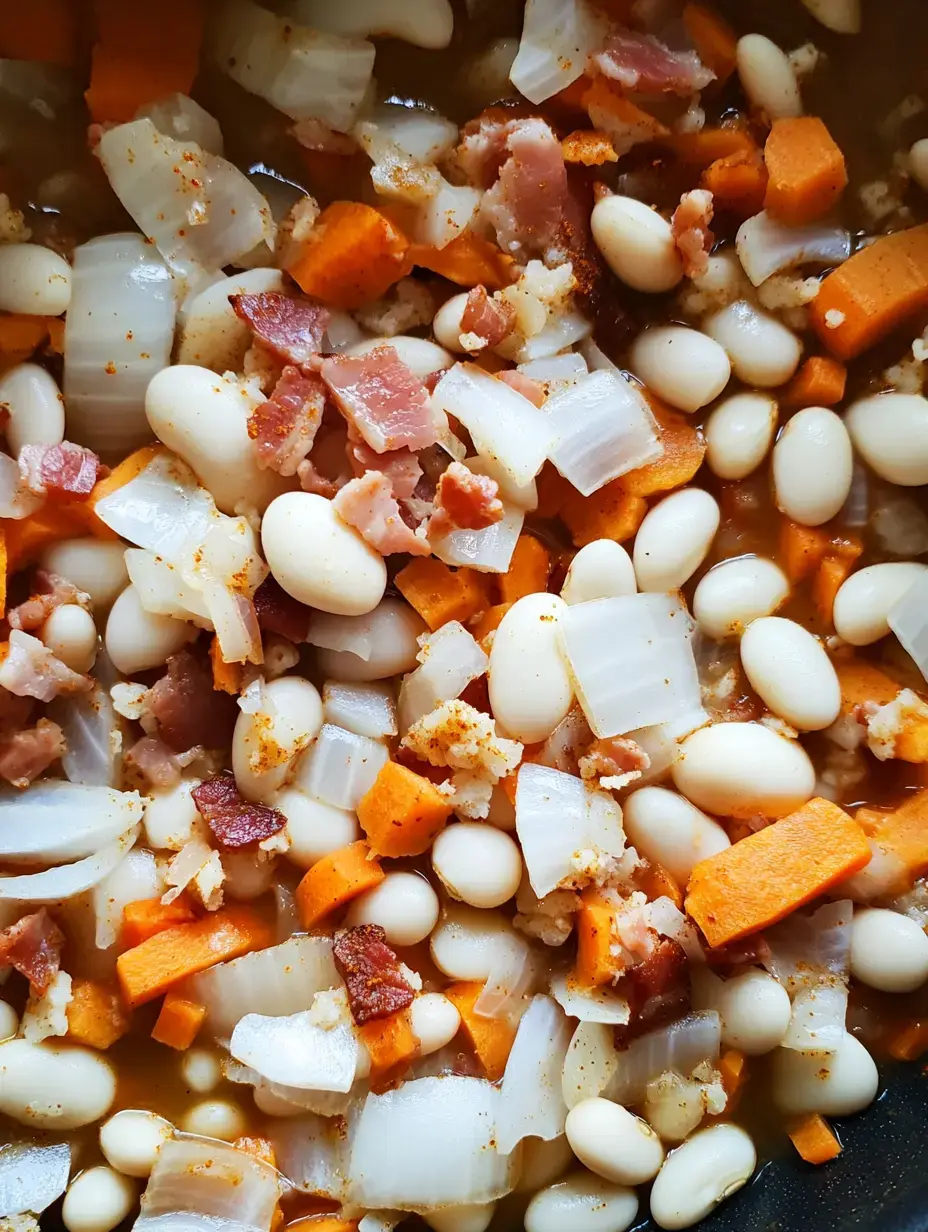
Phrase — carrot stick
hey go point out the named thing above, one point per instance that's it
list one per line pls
(699, 150)
(42, 30)
(150, 969)
(862, 682)
(764, 877)
(335, 880)
(590, 147)
(814, 1139)
(610, 513)
(391, 1044)
(713, 38)
(402, 813)
(178, 1022)
(440, 594)
(806, 169)
(684, 450)
(469, 260)
(353, 255)
(528, 570)
(734, 1070)
(553, 491)
(802, 549)
(20, 337)
(828, 579)
(903, 833)
(738, 182)
(96, 1015)
(147, 917)
(595, 962)
(490, 1038)
(819, 382)
(908, 1041)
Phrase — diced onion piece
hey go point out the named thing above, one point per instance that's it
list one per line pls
(201, 1185)
(590, 1064)
(530, 1098)
(178, 116)
(67, 880)
(562, 825)
(162, 509)
(819, 1017)
(680, 1047)
(589, 1004)
(418, 131)
(909, 622)
(604, 428)
(503, 424)
(425, 23)
(133, 879)
(295, 1051)
(511, 973)
(16, 500)
(563, 329)
(365, 709)
(111, 356)
(444, 215)
(767, 247)
(93, 736)
(429, 1143)
(489, 550)
(52, 820)
(810, 956)
(520, 495)
(558, 37)
(340, 767)
(303, 73)
(632, 661)
(32, 1176)
(162, 589)
(557, 371)
(312, 1153)
(662, 742)
(450, 659)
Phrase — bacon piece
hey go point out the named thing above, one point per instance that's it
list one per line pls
(284, 427)
(25, 754)
(614, 757)
(280, 613)
(482, 150)
(368, 504)
(487, 321)
(292, 328)
(312, 481)
(657, 991)
(186, 707)
(527, 386)
(382, 398)
(234, 821)
(465, 501)
(155, 760)
(376, 985)
(643, 63)
(527, 204)
(32, 946)
(29, 670)
(51, 591)
(60, 472)
(401, 466)
(691, 234)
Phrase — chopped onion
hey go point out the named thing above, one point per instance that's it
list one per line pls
(563, 824)
(512, 970)
(180, 117)
(563, 329)
(680, 1047)
(294, 1051)
(93, 736)
(203, 1185)
(303, 73)
(632, 661)
(320, 1103)
(556, 373)
(530, 1099)
(162, 589)
(211, 335)
(810, 956)
(767, 247)
(312, 1153)
(818, 1018)
(32, 1176)
(489, 550)
(503, 424)
(427, 1144)
(449, 660)
(340, 767)
(908, 621)
(589, 1004)
(446, 214)
(662, 742)
(520, 495)
(425, 23)
(418, 131)
(604, 428)
(162, 509)
(899, 525)
(135, 878)
(67, 880)
(52, 820)
(110, 357)
(558, 37)
(365, 709)
(16, 499)
(590, 1064)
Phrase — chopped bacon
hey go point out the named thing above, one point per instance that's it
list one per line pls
(528, 202)
(64, 471)
(383, 399)
(311, 481)
(482, 151)
(234, 821)
(29, 670)
(291, 327)
(401, 466)
(376, 985)
(25, 754)
(32, 946)
(643, 63)
(527, 386)
(657, 991)
(691, 234)
(284, 427)
(15, 712)
(186, 707)
(368, 504)
(465, 501)
(613, 757)
(484, 320)
(51, 591)
(155, 760)
(280, 613)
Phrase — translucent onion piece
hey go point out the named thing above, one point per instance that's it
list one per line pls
(425, 23)
(162, 589)
(57, 884)
(365, 709)
(135, 878)
(201, 1184)
(810, 956)
(489, 550)
(681, 1046)
(589, 1004)
(444, 215)
(312, 1153)
(561, 823)
(562, 331)
(908, 619)
(162, 509)
(662, 743)
(632, 661)
(320, 1103)
(530, 1099)
(211, 335)
(178, 116)
(110, 357)
(520, 495)
(53, 820)
(303, 73)
(32, 1176)
(590, 1064)
(557, 371)
(766, 247)
(93, 735)
(429, 1143)
(418, 131)
(340, 767)
(604, 428)
(16, 500)
(510, 977)
(294, 1051)
(819, 1017)
(503, 424)
(558, 37)
(450, 659)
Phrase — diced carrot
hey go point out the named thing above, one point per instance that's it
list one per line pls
(909, 1041)
(867, 297)
(257, 1148)
(20, 337)
(490, 1038)
(733, 1067)
(684, 450)
(698, 150)
(571, 97)
(96, 1014)
(42, 30)
(827, 581)
(553, 490)
(179, 1021)
(819, 382)
(469, 260)
(353, 255)
(590, 147)
(814, 1139)
(528, 570)
(440, 594)
(802, 549)
(489, 621)
(402, 813)
(149, 916)
(55, 344)
(862, 682)
(713, 38)
(150, 969)
(610, 513)
(626, 124)
(4, 562)
(596, 964)
(227, 677)
(903, 833)
(655, 881)
(738, 182)
(335, 880)
(806, 169)
(391, 1044)
(765, 876)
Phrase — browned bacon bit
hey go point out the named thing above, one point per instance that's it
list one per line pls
(32, 946)
(186, 707)
(376, 985)
(691, 234)
(234, 821)
(382, 398)
(657, 991)
(465, 501)
(401, 466)
(528, 202)
(486, 321)
(280, 613)
(291, 327)
(25, 754)
(613, 758)
(51, 591)
(643, 63)
(368, 504)
(65, 471)
(527, 386)
(284, 427)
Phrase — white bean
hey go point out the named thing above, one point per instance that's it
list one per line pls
(71, 635)
(93, 565)
(434, 1021)
(864, 601)
(790, 670)
(34, 280)
(446, 325)
(246, 877)
(582, 1202)
(543, 1162)
(755, 1012)
(530, 686)
(477, 864)
(314, 828)
(767, 77)
(890, 432)
(474, 1218)
(918, 163)
(813, 464)
(888, 950)
(674, 539)
(204, 419)
(739, 433)
(319, 559)
(98, 1200)
(666, 829)
(637, 243)
(266, 744)
(424, 23)
(418, 354)
(697, 1176)
(842, 16)
(680, 365)
(211, 335)
(200, 1070)
(47, 1087)
(137, 640)
(404, 905)
(130, 1140)
(215, 1118)
(762, 350)
(839, 1082)
(9, 1021)
(600, 570)
(743, 769)
(613, 1143)
(468, 941)
(394, 628)
(33, 401)
(737, 591)
(171, 817)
